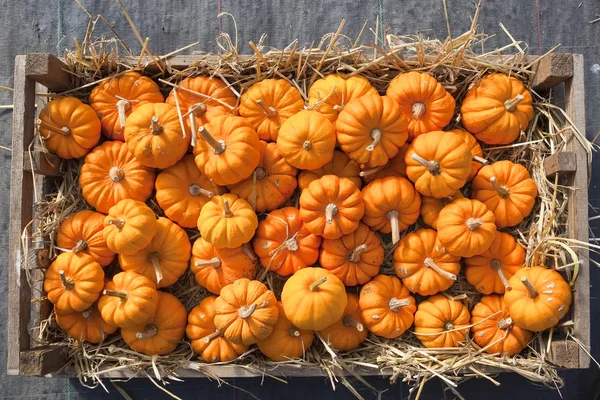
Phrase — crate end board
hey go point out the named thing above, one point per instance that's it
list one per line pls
(51, 72)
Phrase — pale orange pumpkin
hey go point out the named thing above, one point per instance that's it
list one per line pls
(82, 232)
(441, 322)
(340, 165)
(129, 227)
(349, 331)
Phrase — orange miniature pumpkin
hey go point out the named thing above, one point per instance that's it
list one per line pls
(466, 227)
(115, 99)
(476, 151)
(423, 98)
(129, 227)
(82, 233)
(394, 167)
(73, 281)
(340, 165)
(84, 325)
(441, 322)
(272, 182)
(182, 190)
(246, 311)
(228, 151)
(494, 330)
(370, 129)
(387, 308)
(331, 93)
(227, 221)
(539, 298)
(490, 271)
(283, 243)
(431, 207)
(307, 140)
(439, 163)
(110, 174)
(423, 264)
(206, 339)
(286, 342)
(497, 109)
(69, 128)
(391, 205)
(214, 269)
(165, 258)
(162, 332)
(313, 299)
(153, 135)
(129, 299)
(349, 331)
(355, 258)
(507, 190)
(268, 103)
(331, 207)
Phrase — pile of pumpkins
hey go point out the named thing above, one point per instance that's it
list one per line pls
(364, 163)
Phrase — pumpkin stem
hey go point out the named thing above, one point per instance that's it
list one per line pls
(432, 166)
(244, 312)
(511, 104)
(118, 222)
(123, 106)
(248, 251)
(496, 266)
(294, 332)
(291, 244)
(480, 160)
(195, 190)
(261, 173)
(216, 334)
(331, 211)
(354, 257)
(349, 321)
(532, 291)
(376, 136)
(155, 127)
(116, 174)
(115, 293)
(430, 263)
(338, 107)
(193, 128)
(218, 146)
(150, 330)
(447, 200)
(371, 171)
(80, 246)
(502, 191)
(395, 225)
(154, 259)
(197, 109)
(505, 323)
(474, 223)
(418, 110)
(88, 312)
(396, 304)
(214, 262)
(315, 286)
(65, 130)
(307, 145)
(448, 326)
(226, 210)
(66, 282)
(270, 112)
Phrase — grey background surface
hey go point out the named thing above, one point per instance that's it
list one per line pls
(50, 26)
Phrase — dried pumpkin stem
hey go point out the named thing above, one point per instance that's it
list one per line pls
(226, 210)
(119, 223)
(315, 286)
(502, 191)
(505, 323)
(248, 251)
(354, 256)
(270, 112)
(418, 110)
(497, 266)
(154, 259)
(307, 145)
(216, 334)
(291, 244)
(351, 322)
(448, 326)
(195, 190)
(155, 127)
(338, 107)
(214, 262)
(396, 304)
(331, 211)
(123, 106)
(432, 166)
(218, 146)
(474, 223)
(261, 173)
(66, 282)
(430, 263)
(395, 225)
(480, 160)
(376, 137)
(116, 174)
(65, 130)
(88, 312)
(150, 330)
(511, 105)
(532, 291)
(115, 293)
(371, 171)
(80, 246)
(294, 332)
(197, 109)
(244, 312)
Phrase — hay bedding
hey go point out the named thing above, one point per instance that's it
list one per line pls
(456, 63)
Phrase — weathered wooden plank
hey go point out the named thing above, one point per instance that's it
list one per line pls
(552, 70)
(43, 360)
(47, 70)
(44, 163)
(565, 354)
(562, 163)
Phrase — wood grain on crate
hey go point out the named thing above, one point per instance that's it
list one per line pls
(25, 358)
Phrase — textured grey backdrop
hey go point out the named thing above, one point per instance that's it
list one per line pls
(50, 26)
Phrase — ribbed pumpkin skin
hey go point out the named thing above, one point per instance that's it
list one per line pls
(431, 207)
(439, 322)
(84, 325)
(475, 148)
(129, 227)
(341, 165)
(82, 232)
(349, 331)
(394, 167)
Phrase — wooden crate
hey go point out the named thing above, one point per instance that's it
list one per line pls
(47, 72)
